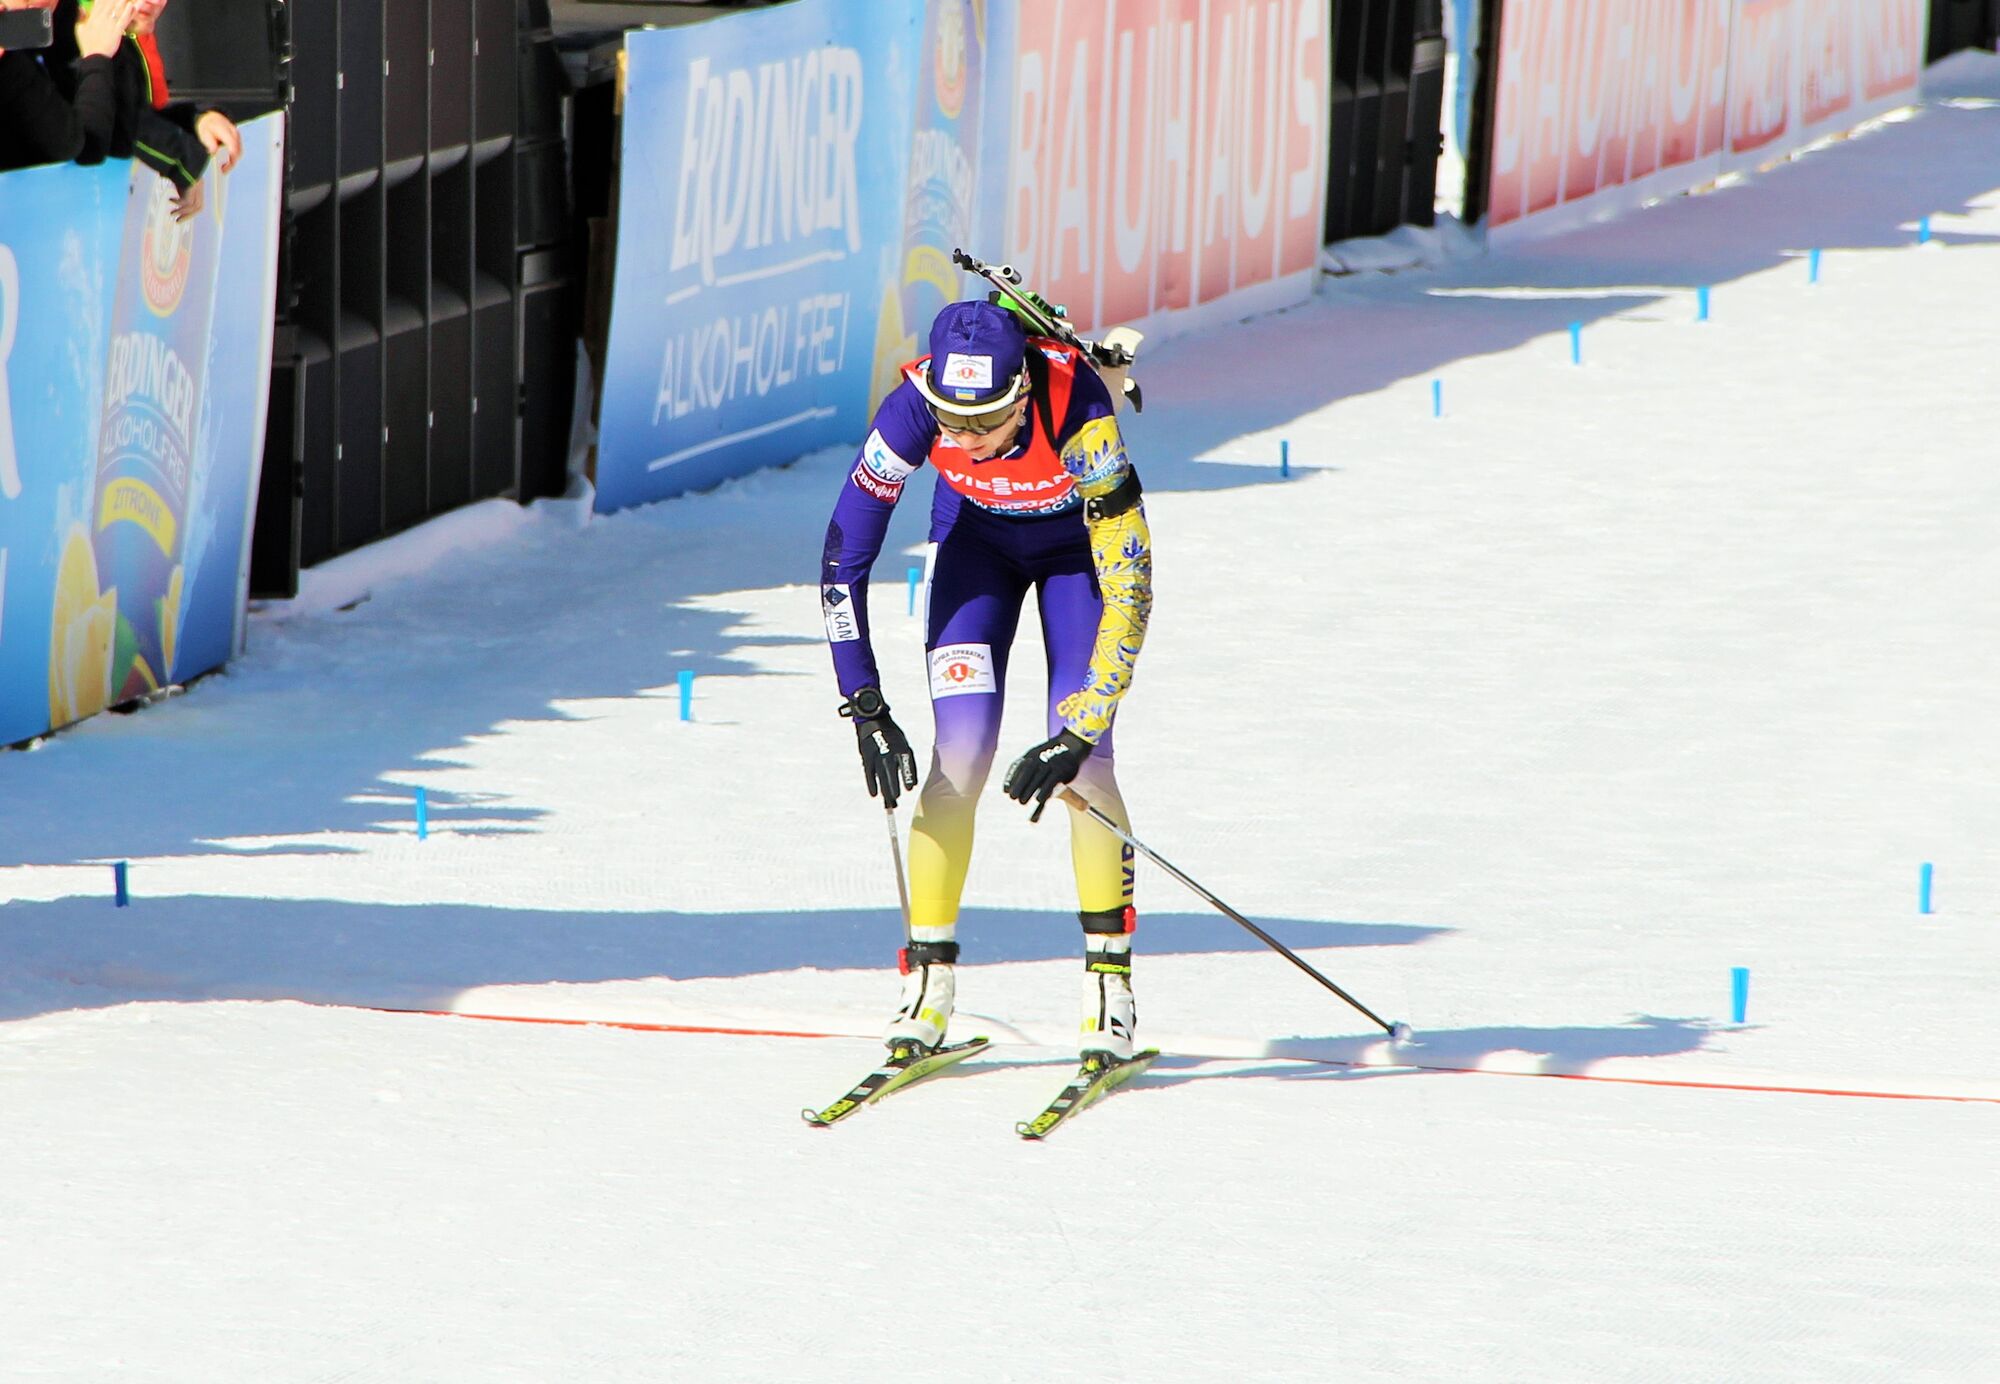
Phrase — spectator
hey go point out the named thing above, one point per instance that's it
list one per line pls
(175, 139)
(46, 120)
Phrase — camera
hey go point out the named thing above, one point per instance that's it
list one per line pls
(27, 28)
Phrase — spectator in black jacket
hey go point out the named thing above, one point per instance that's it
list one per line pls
(174, 139)
(49, 117)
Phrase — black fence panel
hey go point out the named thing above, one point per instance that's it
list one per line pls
(1957, 24)
(424, 303)
(1384, 133)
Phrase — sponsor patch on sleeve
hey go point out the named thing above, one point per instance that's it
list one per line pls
(883, 461)
(960, 669)
(836, 606)
(888, 492)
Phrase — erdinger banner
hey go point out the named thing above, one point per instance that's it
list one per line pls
(1164, 156)
(135, 357)
(1602, 104)
(759, 198)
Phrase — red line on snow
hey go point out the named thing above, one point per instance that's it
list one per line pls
(629, 1025)
(1663, 1081)
(636, 1027)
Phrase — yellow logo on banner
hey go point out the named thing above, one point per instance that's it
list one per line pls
(82, 627)
(136, 502)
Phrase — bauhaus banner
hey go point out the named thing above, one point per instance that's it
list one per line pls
(1603, 104)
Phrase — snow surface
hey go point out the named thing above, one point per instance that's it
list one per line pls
(1526, 724)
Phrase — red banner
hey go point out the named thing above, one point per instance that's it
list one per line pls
(1165, 153)
(1598, 95)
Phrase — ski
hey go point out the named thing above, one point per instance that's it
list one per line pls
(894, 1075)
(1095, 1079)
(1113, 356)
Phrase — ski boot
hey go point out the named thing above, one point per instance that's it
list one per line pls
(929, 988)
(1110, 1014)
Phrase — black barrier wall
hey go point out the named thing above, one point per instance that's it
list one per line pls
(424, 356)
(1957, 24)
(1384, 137)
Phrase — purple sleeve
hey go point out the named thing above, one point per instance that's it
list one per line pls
(897, 444)
(1088, 399)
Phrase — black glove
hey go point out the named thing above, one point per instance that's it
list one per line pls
(886, 761)
(1043, 769)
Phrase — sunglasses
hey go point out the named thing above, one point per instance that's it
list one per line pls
(992, 420)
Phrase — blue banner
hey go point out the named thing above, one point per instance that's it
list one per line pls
(134, 371)
(761, 209)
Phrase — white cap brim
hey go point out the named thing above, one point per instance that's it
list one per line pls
(919, 378)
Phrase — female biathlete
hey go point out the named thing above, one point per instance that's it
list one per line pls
(1034, 490)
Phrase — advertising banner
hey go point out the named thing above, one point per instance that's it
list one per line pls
(793, 183)
(940, 183)
(1601, 106)
(1166, 156)
(761, 206)
(134, 371)
(1616, 102)
(1799, 69)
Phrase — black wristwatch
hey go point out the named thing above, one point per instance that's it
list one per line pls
(865, 705)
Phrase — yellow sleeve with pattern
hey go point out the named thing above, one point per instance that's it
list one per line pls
(1121, 551)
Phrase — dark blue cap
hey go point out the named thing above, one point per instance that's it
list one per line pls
(977, 353)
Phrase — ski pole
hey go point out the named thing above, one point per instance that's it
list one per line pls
(896, 854)
(1398, 1032)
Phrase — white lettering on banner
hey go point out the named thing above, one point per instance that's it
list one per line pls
(1761, 51)
(1165, 154)
(1591, 96)
(10, 322)
(768, 156)
(725, 358)
(1893, 43)
(1308, 110)
(146, 366)
(937, 157)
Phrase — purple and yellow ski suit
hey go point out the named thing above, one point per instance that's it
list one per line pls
(1057, 513)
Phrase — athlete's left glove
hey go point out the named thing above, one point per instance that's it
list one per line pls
(886, 760)
(1047, 767)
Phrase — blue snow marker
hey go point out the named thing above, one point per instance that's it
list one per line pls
(423, 814)
(1924, 231)
(118, 890)
(1576, 343)
(1284, 458)
(687, 694)
(1437, 398)
(916, 575)
(1812, 267)
(1924, 889)
(1739, 993)
(1701, 304)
